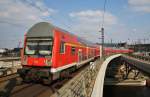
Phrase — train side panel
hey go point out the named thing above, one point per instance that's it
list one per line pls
(62, 50)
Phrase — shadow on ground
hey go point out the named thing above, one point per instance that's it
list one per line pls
(6, 91)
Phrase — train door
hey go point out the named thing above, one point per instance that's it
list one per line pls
(79, 55)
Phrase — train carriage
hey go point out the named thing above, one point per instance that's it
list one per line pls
(49, 51)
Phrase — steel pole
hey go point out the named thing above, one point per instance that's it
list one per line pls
(102, 35)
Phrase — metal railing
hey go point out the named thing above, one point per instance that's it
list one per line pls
(82, 84)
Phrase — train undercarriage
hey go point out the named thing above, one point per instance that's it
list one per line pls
(44, 74)
(34, 74)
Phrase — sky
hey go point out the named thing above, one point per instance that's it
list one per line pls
(124, 21)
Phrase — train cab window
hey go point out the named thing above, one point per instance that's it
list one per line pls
(62, 47)
(73, 50)
(38, 47)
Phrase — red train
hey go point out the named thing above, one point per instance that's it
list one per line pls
(50, 52)
(109, 51)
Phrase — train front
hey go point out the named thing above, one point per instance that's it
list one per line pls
(37, 53)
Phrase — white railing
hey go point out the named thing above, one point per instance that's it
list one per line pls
(99, 83)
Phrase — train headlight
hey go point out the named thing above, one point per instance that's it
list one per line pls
(46, 61)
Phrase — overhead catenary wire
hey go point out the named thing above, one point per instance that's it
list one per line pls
(40, 8)
(18, 22)
(31, 3)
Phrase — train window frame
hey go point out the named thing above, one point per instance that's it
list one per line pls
(62, 47)
(39, 40)
(73, 50)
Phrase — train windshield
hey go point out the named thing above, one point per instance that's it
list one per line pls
(38, 47)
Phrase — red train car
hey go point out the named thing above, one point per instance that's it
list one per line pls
(49, 52)
(109, 51)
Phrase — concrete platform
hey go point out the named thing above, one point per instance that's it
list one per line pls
(129, 82)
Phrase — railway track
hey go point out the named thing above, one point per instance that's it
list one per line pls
(31, 90)
(36, 89)
(10, 86)
(8, 77)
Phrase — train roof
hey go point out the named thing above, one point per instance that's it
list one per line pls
(44, 29)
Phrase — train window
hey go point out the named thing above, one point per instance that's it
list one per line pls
(42, 47)
(62, 47)
(73, 50)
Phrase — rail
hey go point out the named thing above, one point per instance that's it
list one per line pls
(82, 84)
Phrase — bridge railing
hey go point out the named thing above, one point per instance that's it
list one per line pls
(82, 84)
(140, 57)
